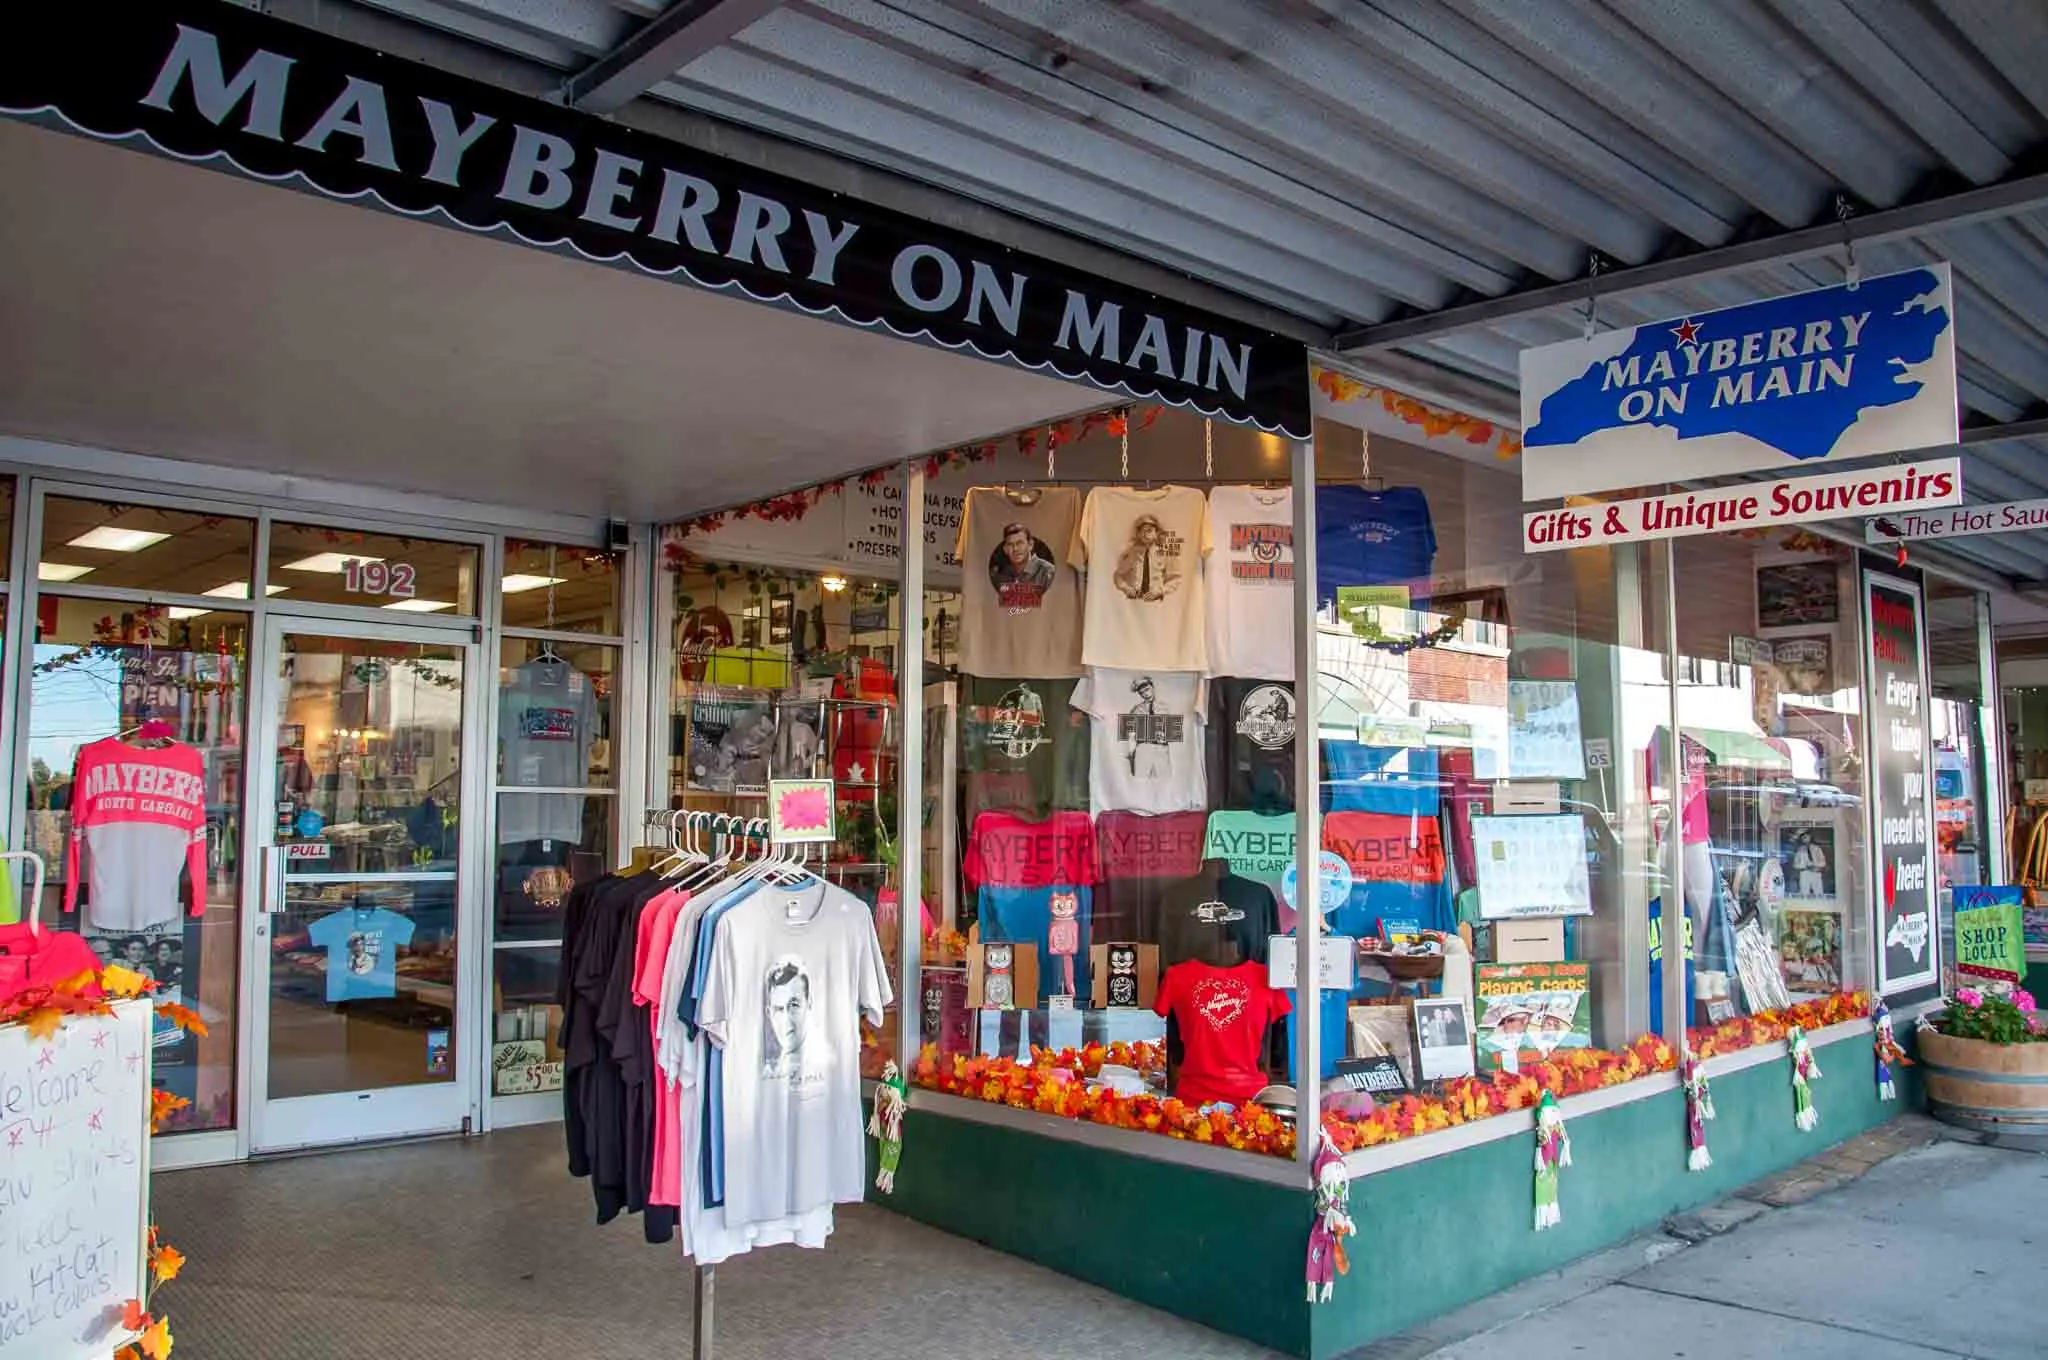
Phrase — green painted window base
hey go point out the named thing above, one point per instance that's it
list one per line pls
(1432, 1236)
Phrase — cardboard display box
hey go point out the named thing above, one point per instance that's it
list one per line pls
(1529, 939)
(1021, 974)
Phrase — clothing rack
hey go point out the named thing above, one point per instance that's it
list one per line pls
(723, 826)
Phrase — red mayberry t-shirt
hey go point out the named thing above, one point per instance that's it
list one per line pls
(1223, 1015)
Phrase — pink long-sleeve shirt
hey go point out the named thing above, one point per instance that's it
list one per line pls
(140, 814)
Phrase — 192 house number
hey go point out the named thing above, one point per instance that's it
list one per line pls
(377, 578)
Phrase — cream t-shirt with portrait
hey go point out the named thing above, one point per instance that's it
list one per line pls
(1143, 552)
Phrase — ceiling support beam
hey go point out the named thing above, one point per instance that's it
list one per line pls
(657, 50)
(2032, 424)
(2011, 195)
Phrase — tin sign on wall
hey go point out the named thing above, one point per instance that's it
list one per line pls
(1825, 375)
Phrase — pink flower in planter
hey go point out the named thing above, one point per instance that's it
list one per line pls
(2024, 1000)
(1966, 997)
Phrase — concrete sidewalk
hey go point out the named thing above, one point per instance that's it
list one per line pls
(1860, 1254)
(1899, 1244)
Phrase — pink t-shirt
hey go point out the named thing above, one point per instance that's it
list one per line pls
(139, 812)
(650, 956)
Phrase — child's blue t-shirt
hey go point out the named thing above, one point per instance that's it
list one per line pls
(1356, 778)
(362, 951)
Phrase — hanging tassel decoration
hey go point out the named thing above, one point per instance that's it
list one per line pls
(1889, 1054)
(1553, 1151)
(1699, 1108)
(1804, 1070)
(886, 1125)
(1326, 1257)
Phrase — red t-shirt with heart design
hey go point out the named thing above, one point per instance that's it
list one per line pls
(1223, 1014)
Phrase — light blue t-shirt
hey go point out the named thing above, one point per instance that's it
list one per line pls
(1025, 916)
(362, 951)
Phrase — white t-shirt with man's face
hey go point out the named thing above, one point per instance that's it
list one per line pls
(792, 974)
(1143, 553)
(1145, 734)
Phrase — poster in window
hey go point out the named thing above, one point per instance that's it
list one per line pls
(1805, 664)
(1900, 777)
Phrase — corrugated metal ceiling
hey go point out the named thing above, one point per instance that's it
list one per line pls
(1351, 161)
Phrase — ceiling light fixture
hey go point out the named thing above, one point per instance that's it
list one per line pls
(239, 590)
(328, 561)
(107, 538)
(60, 571)
(420, 606)
(185, 611)
(519, 581)
(833, 582)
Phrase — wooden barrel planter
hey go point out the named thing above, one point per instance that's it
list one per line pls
(2001, 1087)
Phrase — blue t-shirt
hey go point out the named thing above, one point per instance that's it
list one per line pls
(1024, 916)
(1370, 538)
(1356, 779)
(362, 951)
(711, 1159)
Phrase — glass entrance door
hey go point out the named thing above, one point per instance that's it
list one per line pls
(362, 999)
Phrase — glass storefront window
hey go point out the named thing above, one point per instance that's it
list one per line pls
(557, 588)
(98, 544)
(319, 564)
(102, 669)
(1774, 821)
(789, 674)
(1960, 721)
(1490, 804)
(556, 792)
(6, 526)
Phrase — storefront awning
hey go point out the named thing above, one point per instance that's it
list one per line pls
(1740, 748)
(210, 83)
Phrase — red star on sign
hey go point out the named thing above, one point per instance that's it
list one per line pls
(1687, 331)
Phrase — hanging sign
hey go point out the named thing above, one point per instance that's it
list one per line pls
(1900, 768)
(801, 812)
(859, 528)
(207, 82)
(2005, 518)
(1830, 374)
(1746, 505)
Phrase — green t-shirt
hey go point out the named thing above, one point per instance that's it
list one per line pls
(1258, 846)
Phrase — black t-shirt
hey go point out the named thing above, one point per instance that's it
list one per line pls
(1216, 917)
(1253, 723)
(1023, 745)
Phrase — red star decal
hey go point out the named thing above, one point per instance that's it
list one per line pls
(93, 1121)
(14, 1136)
(99, 1038)
(49, 1056)
(1687, 331)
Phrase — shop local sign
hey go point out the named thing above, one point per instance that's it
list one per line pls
(1825, 375)
(1926, 485)
(1990, 934)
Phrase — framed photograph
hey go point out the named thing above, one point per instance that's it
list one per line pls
(1443, 1038)
(781, 619)
(1796, 593)
(1809, 850)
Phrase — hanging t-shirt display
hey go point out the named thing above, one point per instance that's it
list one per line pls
(1215, 916)
(547, 721)
(1023, 744)
(1389, 779)
(1141, 857)
(1223, 1015)
(1257, 846)
(1013, 852)
(793, 974)
(139, 815)
(362, 945)
(1251, 582)
(1143, 553)
(1366, 538)
(1397, 872)
(1020, 597)
(1146, 741)
(1254, 721)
